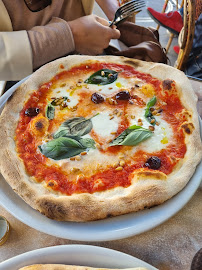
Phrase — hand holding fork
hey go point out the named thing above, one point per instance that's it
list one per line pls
(126, 10)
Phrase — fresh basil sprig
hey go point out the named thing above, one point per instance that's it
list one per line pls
(87, 142)
(77, 126)
(148, 115)
(132, 136)
(50, 112)
(102, 77)
(74, 127)
(65, 147)
(67, 140)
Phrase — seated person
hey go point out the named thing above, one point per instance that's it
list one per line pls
(57, 28)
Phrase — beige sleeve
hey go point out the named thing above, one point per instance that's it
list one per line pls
(15, 55)
(50, 41)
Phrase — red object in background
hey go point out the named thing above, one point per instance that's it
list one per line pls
(176, 49)
(171, 20)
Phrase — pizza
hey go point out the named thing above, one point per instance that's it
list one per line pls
(68, 267)
(87, 138)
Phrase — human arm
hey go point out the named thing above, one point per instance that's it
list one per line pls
(51, 41)
(23, 51)
(92, 34)
(15, 55)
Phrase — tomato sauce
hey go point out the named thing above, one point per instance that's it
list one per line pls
(36, 164)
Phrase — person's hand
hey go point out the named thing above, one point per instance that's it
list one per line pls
(92, 34)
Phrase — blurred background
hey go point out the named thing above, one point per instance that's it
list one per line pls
(145, 20)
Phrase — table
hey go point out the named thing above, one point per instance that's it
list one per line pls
(170, 246)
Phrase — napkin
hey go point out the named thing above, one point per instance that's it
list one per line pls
(142, 43)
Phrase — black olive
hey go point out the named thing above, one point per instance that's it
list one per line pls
(153, 163)
(123, 95)
(97, 98)
(32, 112)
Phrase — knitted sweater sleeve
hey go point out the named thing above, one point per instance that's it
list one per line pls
(51, 41)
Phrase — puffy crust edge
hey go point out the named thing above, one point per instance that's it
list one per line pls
(143, 193)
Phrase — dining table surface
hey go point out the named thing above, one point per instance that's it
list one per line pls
(169, 246)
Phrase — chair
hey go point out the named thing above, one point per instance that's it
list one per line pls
(186, 35)
(171, 34)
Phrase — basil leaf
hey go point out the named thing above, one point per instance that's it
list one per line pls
(87, 142)
(148, 115)
(50, 112)
(118, 140)
(61, 148)
(152, 102)
(136, 137)
(77, 126)
(134, 127)
(132, 136)
(102, 77)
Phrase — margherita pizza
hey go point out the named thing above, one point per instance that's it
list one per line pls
(86, 138)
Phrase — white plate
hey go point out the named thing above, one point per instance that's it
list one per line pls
(102, 230)
(2, 87)
(75, 255)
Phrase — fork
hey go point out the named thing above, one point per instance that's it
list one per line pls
(126, 10)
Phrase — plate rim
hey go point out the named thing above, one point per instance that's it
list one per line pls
(113, 233)
(65, 249)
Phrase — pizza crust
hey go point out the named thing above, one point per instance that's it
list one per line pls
(144, 192)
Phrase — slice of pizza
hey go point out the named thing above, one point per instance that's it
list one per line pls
(85, 138)
(69, 267)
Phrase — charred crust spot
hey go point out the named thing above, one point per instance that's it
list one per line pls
(39, 125)
(188, 128)
(53, 211)
(109, 215)
(132, 63)
(167, 84)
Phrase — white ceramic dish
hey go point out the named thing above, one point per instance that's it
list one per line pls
(75, 255)
(102, 230)
(2, 87)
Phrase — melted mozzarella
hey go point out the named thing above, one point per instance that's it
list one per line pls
(66, 92)
(103, 126)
